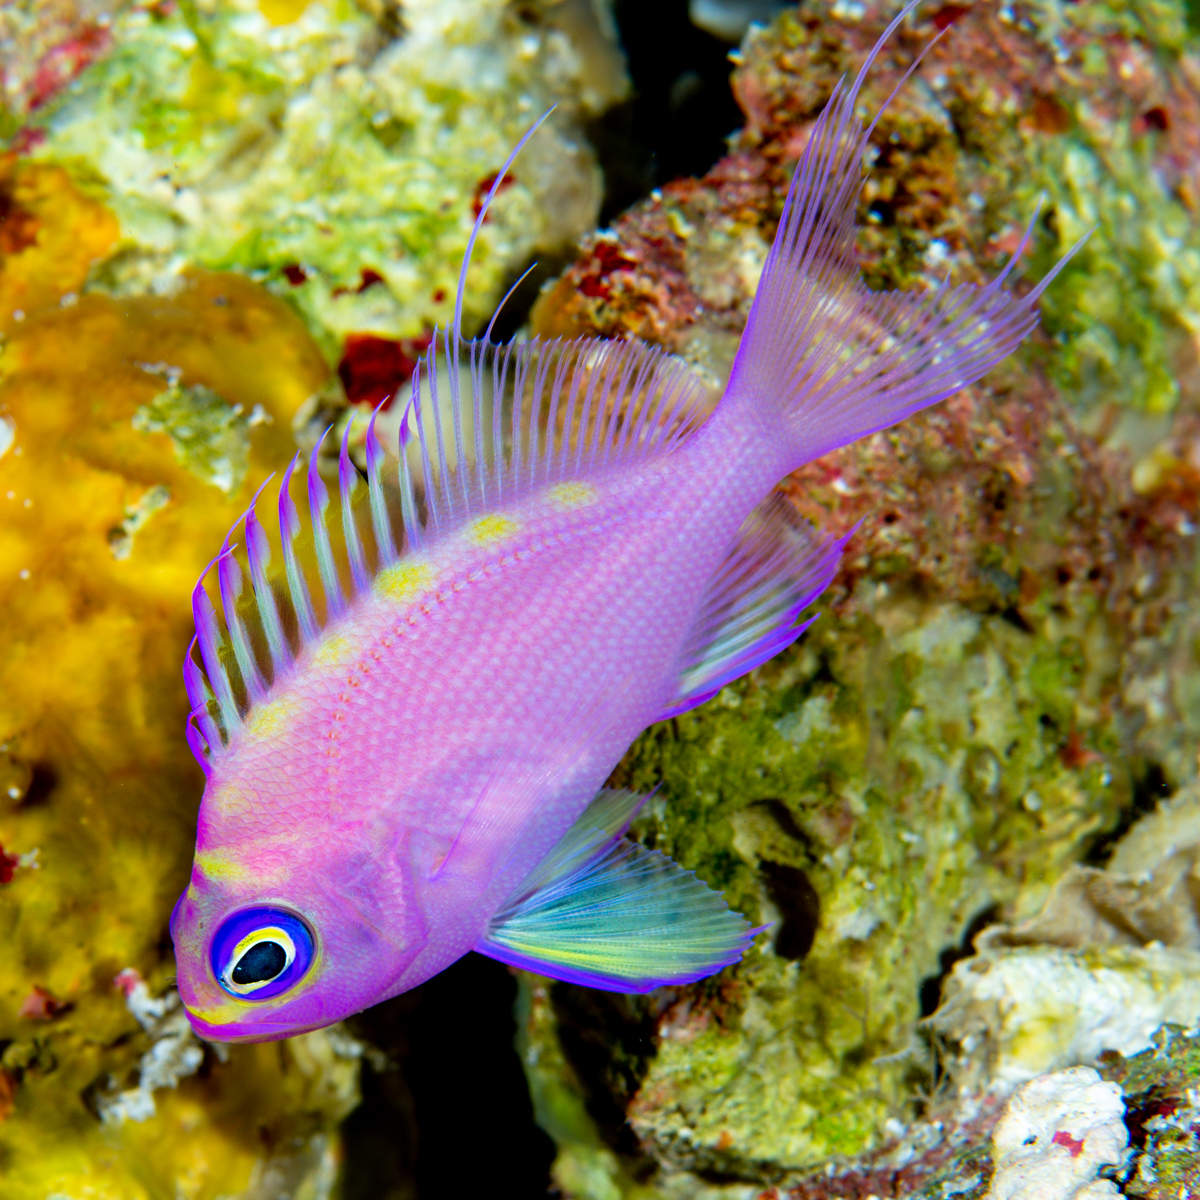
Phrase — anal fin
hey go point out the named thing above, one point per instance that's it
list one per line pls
(778, 566)
(608, 913)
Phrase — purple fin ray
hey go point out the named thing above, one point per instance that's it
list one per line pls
(318, 502)
(347, 485)
(258, 554)
(606, 912)
(208, 637)
(385, 544)
(199, 696)
(229, 582)
(289, 529)
(197, 744)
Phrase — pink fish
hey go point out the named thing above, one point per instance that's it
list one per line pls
(412, 767)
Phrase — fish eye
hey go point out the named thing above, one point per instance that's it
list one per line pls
(261, 952)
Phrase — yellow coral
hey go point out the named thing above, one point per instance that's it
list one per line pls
(50, 234)
(94, 772)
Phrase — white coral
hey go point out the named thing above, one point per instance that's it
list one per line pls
(1055, 1134)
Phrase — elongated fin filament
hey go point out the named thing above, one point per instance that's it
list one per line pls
(347, 485)
(318, 502)
(289, 528)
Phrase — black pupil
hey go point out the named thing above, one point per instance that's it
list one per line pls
(260, 963)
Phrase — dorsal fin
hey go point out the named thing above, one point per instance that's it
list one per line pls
(567, 410)
(778, 566)
(531, 414)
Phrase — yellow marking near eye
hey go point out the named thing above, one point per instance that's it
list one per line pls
(212, 864)
(573, 495)
(269, 719)
(491, 529)
(227, 1012)
(404, 582)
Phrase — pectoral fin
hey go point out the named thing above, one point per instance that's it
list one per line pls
(606, 912)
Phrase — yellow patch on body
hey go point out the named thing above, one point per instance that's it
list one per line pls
(267, 720)
(334, 652)
(404, 582)
(228, 801)
(573, 495)
(489, 530)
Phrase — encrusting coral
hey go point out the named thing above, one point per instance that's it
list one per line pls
(336, 151)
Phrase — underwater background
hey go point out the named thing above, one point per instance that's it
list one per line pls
(967, 801)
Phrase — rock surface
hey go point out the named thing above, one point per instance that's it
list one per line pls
(1003, 677)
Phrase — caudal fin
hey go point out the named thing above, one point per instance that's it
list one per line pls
(833, 360)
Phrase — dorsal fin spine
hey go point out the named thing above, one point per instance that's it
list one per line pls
(608, 436)
(348, 483)
(439, 482)
(385, 543)
(199, 696)
(520, 370)
(479, 356)
(453, 376)
(229, 582)
(431, 505)
(289, 530)
(198, 745)
(258, 554)
(532, 439)
(546, 456)
(586, 442)
(408, 504)
(209, 638)
(500, 365)
(318, 502)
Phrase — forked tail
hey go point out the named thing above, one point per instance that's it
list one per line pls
(826, 360)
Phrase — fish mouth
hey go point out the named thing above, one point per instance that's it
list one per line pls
(235, 1029)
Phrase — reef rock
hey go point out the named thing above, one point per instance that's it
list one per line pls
(1003, 677)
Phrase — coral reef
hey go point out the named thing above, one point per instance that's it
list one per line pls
(1003, 677)
(994, 723)
(104, 530)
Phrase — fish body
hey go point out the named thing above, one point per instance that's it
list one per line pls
(504, 673)
(418, 772)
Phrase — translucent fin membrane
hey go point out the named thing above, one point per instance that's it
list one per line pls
(777, 568)
(833, 359)
(495, 427)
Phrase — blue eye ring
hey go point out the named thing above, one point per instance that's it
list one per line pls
(259, 953)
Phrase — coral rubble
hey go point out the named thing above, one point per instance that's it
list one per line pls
(336, 151)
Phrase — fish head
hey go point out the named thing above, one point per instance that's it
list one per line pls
(285, 928)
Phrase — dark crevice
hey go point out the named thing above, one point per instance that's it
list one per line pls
(450, 1114)
(799, 907)
(42, 783)
(609, 1040)
(682, 110)
(931, 988)
(1150, 785)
